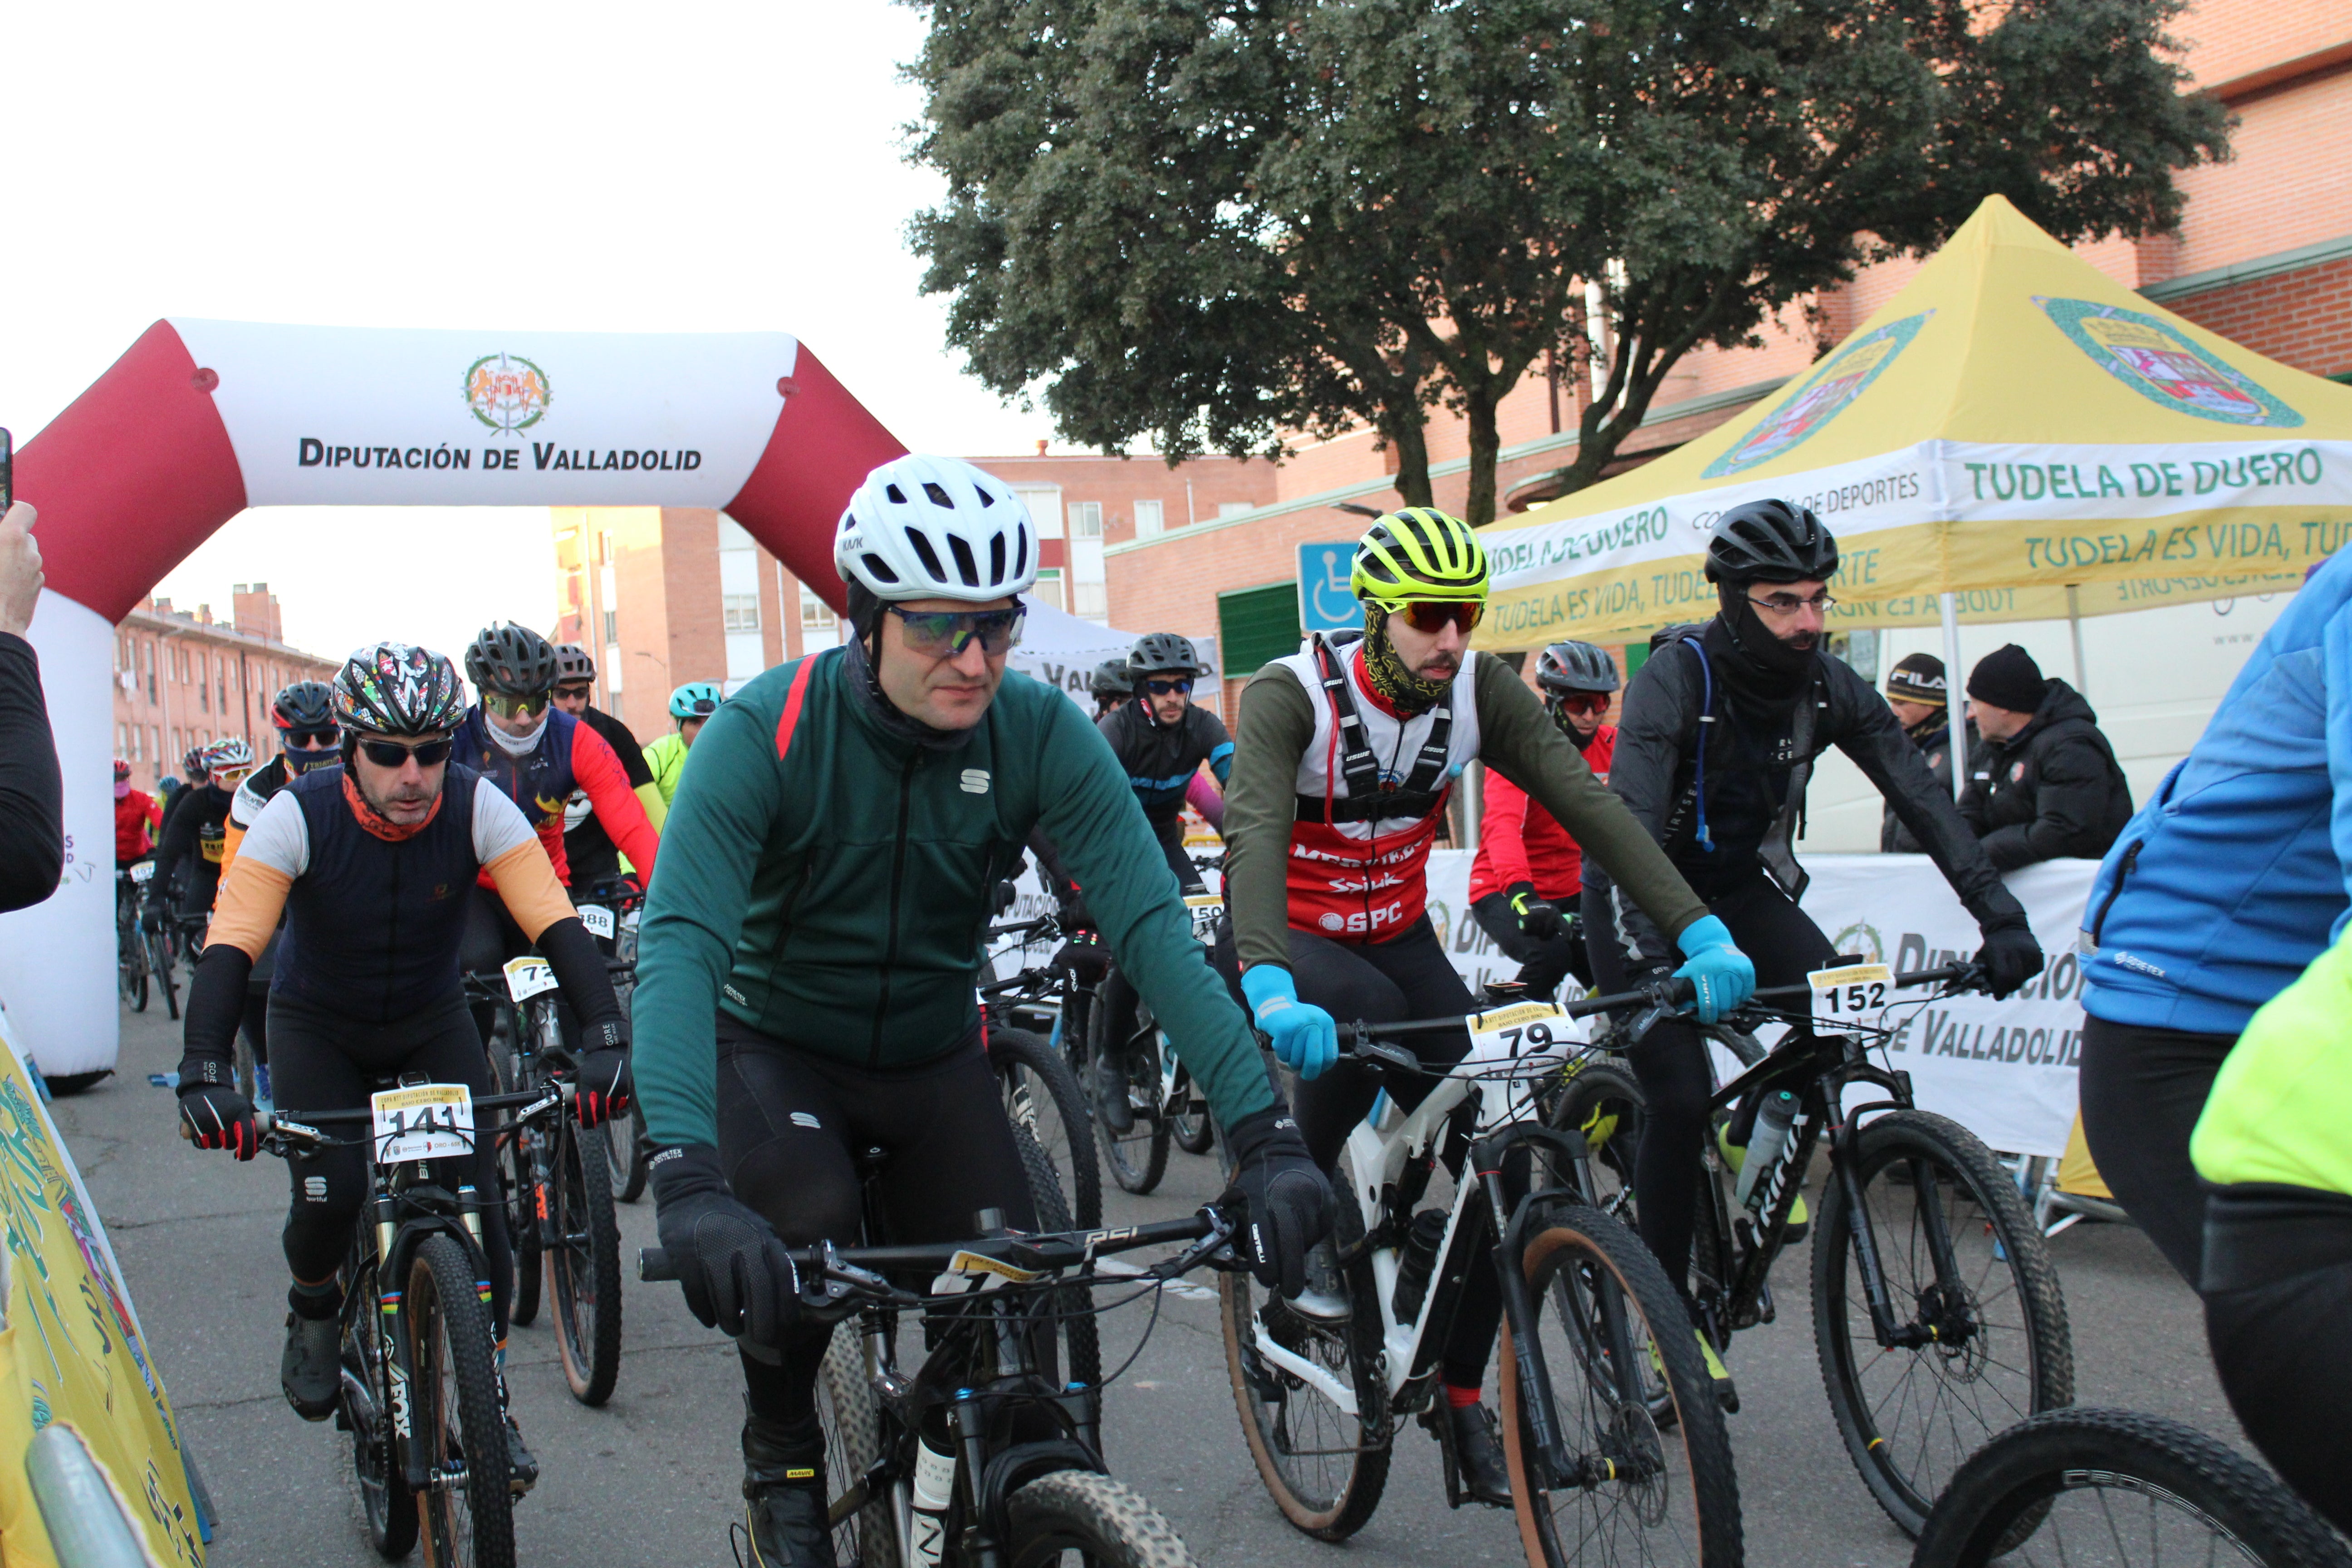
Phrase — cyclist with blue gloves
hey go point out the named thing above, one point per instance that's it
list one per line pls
(1348, 753)
(1715, 744)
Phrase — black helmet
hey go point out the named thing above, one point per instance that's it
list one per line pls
(510, 658)
(398, 688)
(1566, 668)
(305, 705)
(1770, 541)
(573, 663)
(1111, 679)
(1162, 651)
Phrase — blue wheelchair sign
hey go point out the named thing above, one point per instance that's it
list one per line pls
(1325, 603)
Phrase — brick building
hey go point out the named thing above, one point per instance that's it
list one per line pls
(2263, 256)
(662, 596)
(185, 679)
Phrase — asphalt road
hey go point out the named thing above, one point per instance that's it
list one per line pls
(654, 1476)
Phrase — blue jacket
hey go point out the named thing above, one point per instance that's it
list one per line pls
(2239, 872)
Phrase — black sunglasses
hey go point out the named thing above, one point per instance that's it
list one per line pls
(312, 740)
(1167, 688)
(393, 754)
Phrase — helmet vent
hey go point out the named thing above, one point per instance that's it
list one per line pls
(965, 565)
(985, 498)
(996, 558)
(879, 568)
(897, 497)
(1019, 554)
(938, 494)
(930, 557)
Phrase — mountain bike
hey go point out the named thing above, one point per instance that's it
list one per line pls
(985, 1455)
(610, 910)
(420, 1396)
(2085, 1488)
(142, 955)
(558, 1195)
(1169, 1108)
(1616, 1448)
(1042, 1093)
(1936, 1312)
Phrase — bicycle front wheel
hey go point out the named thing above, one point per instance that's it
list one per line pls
(1042, 1096)
(159, 968)
(624, 1154)
(1980, 1338)
(2104, 1488)
(851, 1417)
(385, 1501)
(469, 1508)
(519, 1186)
(584, 1266)
(1100, 1519)
(1645, 1469)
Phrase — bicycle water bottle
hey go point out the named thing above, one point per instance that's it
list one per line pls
(1418, 1259)
(934, 1490)
(1771, 1136)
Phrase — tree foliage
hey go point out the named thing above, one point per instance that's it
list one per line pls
(1217, 222)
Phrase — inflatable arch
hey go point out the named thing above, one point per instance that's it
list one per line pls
(201, 419)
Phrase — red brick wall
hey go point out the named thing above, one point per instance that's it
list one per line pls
(2303, 318)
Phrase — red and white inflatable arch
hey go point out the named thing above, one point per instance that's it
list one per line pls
(201, 419)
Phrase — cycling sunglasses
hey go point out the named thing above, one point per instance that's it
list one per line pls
(1586, 702)
(229, 778)
(507, 705)
(579, 689)
(393, 755)
(312, 740)
(944, 634)
(1433, 615)
(1169, 687)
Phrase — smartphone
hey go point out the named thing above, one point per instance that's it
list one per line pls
(7, 470)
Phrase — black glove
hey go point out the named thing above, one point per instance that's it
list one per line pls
(1289, 1199)
(1539, 918)
(158, 915)
(1083, 956)
(736, 1274)
(2011, 957)
(217, 1117)
(605, 1087)
(1008, 893)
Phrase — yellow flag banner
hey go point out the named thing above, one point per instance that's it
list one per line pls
(70, 1349)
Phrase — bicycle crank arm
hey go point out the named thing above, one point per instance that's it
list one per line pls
(1299, 1367)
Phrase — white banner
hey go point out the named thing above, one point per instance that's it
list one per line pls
(2005, 1070)
(357, 416)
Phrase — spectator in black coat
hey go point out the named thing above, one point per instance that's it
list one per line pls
(32, 798)
(1917, 691)
(2043, 782)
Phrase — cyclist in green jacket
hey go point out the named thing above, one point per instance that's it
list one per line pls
(813, 934)
(691, 706)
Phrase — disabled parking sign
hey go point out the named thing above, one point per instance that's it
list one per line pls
(1325, 601)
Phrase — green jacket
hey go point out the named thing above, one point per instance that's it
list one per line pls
(830, 883)
(666, 758)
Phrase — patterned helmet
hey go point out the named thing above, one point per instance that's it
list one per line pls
(1419, 554)
(193, 762)
(573, 663)
(695, 700)
(227, 762)
(398, 688)
(1567, 667)
(512, 659)
(1770, 541)
(305, 705)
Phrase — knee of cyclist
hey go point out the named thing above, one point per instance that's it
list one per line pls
(804, 1211)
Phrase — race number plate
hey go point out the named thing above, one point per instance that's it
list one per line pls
(1204, 909)
(1522, 1030)
(526, 977)
(598, 920)
(1850, 991)
(429, 1122)
(143, 872)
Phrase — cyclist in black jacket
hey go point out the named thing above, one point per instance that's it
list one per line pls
(1715, 744)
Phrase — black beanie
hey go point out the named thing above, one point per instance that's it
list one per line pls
(2007, 678)
(1918, 677)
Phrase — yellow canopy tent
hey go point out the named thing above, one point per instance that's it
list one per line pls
(2015, 436)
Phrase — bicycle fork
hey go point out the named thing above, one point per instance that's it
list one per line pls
(1910, 1335)
(1519, 1305)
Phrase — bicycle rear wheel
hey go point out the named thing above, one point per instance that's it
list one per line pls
(1041, 1095)
(1616, 1343)
(2102, 1489)
(518, 1182)
(584, 1266)
(1991, 1345)
(470, 1508)
(1102, 1521)
(623, 1138)
(1137, 1158)
(130, 958)
(386, 1504)
(1074, 1317)
(159, 969)
(1603, 1104)
(1196, 1133)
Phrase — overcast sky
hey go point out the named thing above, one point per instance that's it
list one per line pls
(675, 168)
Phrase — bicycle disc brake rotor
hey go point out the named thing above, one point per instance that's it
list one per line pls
(1950, 1314)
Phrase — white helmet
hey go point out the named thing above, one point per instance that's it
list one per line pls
(936, 527)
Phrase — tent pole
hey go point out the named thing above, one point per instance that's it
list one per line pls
(2074, 625)
(1955, 709)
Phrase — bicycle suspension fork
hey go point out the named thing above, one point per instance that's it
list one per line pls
(1535, 1380)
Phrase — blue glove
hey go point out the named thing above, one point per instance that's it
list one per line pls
(1717, 971)
(1304, 1038)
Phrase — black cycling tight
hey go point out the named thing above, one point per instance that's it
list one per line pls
(1388, 983)
(2278, 1315)
(791, 1128)
(325, 1062)
(1676, 1083)
(1119, 997)
(2142, 1091)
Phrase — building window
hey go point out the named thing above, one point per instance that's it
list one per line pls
(121, 739)
(155, 745)
(739, 612)
(1048, 590)
(1085, 519)
(815, 614)
(1149, 519)
(613, 669)
(611, 627)
(1089, 599)
(1045, 504)
(1233, 508)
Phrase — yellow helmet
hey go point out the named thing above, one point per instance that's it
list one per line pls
(1419, 554)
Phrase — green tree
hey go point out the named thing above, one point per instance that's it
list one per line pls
(1217, 224)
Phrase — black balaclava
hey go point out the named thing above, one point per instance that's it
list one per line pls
(865, 611)
(1766, 665)
(1577, 738)
(1403, 690)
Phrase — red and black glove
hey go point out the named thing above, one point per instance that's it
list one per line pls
(605, 1087)
(214, 1114)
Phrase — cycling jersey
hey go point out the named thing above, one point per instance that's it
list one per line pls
(1161, 760)
(589, 855)
(1519, 841)
(135, 815)
(195, 840)
(665, 760)
(245, 805)
(569, 756)
(828, 881)
(1305, 850)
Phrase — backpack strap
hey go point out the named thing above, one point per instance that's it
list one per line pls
(1423, 790)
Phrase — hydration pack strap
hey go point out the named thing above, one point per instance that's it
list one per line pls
(1368, 800)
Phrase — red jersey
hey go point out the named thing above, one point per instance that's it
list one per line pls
(1518, 841)
(135, 816)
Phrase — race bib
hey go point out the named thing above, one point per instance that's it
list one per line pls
(526, 977)
(429, 1122)
(1204, 909)
(143, 873)
(1851, 991)
(1521, 1029)
(598, 920)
